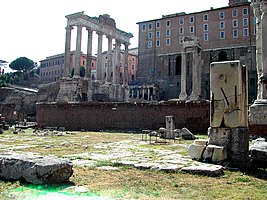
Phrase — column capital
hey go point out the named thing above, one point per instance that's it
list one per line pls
(99, 33)
(109, 37)
(127, 44)
(89, 29)
(118, 41)
(69, 27)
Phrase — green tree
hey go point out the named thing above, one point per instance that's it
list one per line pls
(22, 64)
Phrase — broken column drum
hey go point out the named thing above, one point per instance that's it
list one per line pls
(228, 110)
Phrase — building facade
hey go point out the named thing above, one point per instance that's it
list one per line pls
(226, 33)
(52, 68)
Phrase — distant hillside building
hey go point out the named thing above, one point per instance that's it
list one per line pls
(52, 68)
(226, 33)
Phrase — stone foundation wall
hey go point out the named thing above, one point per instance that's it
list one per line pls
(123, 116)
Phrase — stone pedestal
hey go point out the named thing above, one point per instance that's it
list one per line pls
(236, 142)
(258, 117)
(72, 90)
(170, 126)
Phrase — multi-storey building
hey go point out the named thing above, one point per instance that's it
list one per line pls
(132, 65)
(226, 33)
(52, 68)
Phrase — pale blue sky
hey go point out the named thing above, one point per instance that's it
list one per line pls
(36, 28)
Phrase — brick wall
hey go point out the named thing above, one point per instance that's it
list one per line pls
(123, 116)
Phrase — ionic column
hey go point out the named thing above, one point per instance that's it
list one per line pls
(116, 69)
(183, 95)
(148, 93)
(264, 49)
(125, 71)
(78, 51)
(89, 53)
(99, 66)
(67, 52)
(138, 93)
(196, 78)
(109, 55)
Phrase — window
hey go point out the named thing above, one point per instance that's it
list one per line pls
(254, 20)
(205, 17)
(181, 31)
(168, 41)
(235, 23)
(255, 31)
(221, 15)
(143, 27)
(192, 29)
(222, 35)
(149, 35)
(158, 34)
(150, 26)
(222, 26)
(181, 40)
(191, 19)
(245, 21)
(158, 43)
(234, 13)
(168, 23)
(181, 21)
(168, 32)
(245, 11)
(149, 44)
(158, 24)
(206, 36)
(205, 27)
(235, 33)
(245, 32)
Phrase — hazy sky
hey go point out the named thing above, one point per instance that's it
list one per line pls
(36, 28)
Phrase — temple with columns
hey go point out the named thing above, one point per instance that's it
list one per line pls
(106, 86)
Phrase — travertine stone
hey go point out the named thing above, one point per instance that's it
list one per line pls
(215, 153)
(170, 126)
(236, 142)
(228, 85)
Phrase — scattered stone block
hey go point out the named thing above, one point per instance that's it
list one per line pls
(258, 152)
(34, 169)
(215, 153)
(204, 169)
(196, 149)
(185, 134)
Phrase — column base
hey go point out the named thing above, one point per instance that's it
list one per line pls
(194, 97)
(183, 97)
(236, 142)
(258, 117)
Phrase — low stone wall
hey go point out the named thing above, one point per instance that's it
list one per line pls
(123, 116)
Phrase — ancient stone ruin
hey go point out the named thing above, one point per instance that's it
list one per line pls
(34, 169)
(106, 86)
(228, 135)
(258, 111)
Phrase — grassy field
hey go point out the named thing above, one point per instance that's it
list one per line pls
(126, 182)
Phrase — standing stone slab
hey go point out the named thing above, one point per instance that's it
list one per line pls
(34, 169)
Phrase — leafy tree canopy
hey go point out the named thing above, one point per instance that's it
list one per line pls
(22, 64)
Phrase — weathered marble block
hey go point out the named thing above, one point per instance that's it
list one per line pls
(228, 87)
(34, 169)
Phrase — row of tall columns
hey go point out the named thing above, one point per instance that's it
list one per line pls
(196, 75)
(99, 71)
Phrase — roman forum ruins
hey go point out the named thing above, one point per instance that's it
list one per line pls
(106, 87)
